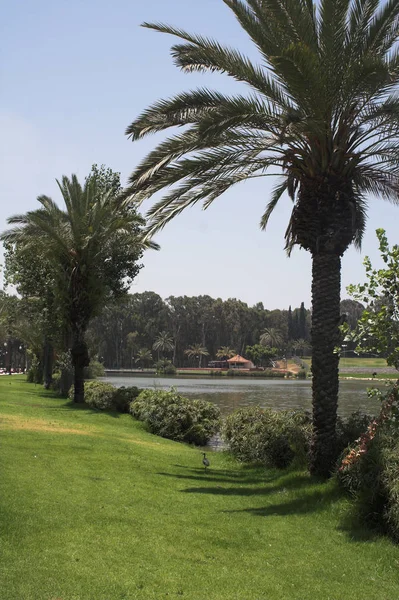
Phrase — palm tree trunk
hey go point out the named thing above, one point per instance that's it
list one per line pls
(80, 360)
(326, 291)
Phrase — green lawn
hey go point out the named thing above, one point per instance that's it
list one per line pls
(359, 363)
(95, 508)
(368, 375)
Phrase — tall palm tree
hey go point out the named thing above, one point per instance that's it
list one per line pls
(91, 247)
(225, 352)
(144, 357)
(197, 351)
(272, 337)
(322, 111)
(163, 343)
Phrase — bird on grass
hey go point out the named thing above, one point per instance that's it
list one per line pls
(205, 461)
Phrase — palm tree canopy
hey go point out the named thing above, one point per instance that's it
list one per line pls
(321, 111)
(225, 352)
(91, 247)
(272, 337)
(144, 355)
(163, 342)
(196, 350)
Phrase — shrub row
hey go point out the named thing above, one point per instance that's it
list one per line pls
(172, 416)
(265, 373)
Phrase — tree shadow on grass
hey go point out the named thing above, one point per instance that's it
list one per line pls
(310, 500)
(219, 477)
(300, 495)
(71, 405)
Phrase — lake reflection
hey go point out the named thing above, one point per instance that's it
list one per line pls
(230, 394)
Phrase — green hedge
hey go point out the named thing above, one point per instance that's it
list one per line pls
(104, 396)
(172, 416)
(270, 437)
(265, 373)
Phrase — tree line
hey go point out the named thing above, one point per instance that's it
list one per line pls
(139, 323)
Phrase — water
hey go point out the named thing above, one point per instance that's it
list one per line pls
(230, 394)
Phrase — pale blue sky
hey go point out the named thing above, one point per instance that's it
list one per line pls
(74, 74)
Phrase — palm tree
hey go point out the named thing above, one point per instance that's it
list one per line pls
(272, 337)
(322, 111)
(225, 352)
(91, 248)
(163, 343)
(144, 357)
(197, 351)
(300, 345)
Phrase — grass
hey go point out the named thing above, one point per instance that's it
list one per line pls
(95, 508)
(368, 376)
(356, 362)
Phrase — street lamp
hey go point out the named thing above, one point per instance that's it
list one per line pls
(344, 346)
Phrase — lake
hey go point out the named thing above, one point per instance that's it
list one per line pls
(230, 394)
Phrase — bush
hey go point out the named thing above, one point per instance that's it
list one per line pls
(169, 369)
(172, 416)
(370, 470)
(123, 397)
(63, 375)
(267, 436)
(35, 371)
(374, 483)
(216, 373)
(165, 367)
(352, 428)
(94, 370)
(302, 374)
(98, 394)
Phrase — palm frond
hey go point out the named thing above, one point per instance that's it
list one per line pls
(277, 192)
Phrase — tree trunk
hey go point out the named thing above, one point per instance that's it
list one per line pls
(326, 290)
(80, 360)
(48, 356)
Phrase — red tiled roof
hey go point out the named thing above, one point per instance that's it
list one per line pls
(238, 359)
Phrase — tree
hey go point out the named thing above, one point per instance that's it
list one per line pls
(290, 325)
(144, 357)
(302, 322)
(91, 250)
(197, 351)
(322, 110)
(272, 337)
(30, 273)
(261, 355)
(163, 343)
(378, 326)
(225, 352)
(131, 341)
(352, 310)
(299, 345)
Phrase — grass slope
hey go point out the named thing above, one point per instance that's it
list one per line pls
(95, 508)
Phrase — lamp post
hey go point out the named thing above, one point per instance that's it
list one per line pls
(344, 346)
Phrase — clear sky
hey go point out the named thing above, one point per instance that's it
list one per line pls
(74, 74)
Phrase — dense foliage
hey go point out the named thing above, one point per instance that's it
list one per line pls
(86, 255)
(378, 327)
(369, 471)
(104, 396)
(172, 416)
(273, 438)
